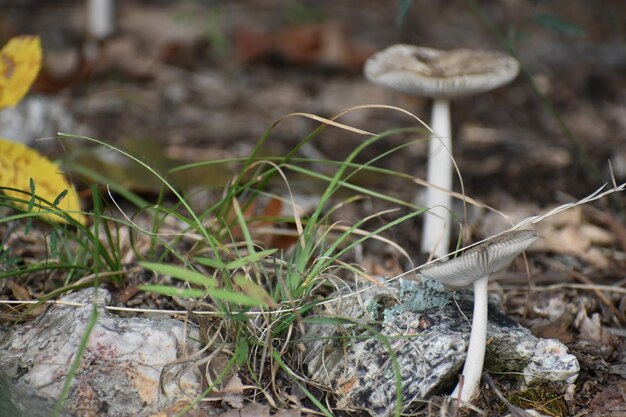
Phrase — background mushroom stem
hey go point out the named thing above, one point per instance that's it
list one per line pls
(473, 368)
(100, 18)
(436, 232)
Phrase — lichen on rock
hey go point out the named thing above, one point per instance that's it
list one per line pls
(422, 349)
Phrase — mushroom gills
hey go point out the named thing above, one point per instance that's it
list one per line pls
(480, 260)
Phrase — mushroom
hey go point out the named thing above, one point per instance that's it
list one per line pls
(440, 75)
(474, 267)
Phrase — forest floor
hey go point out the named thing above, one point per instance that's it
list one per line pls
(191, 81)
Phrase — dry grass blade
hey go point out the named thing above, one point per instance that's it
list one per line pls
(596, 195)
(296, 214)
(461, 197)
(329, 122)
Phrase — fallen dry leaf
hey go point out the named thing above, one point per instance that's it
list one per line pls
(230, 413)
(252, 410)
(559, 329)
(593, 338)
(20, 62)
(613, 224)
(18, 164)
(255, 410)
(233, 392)
(596, 235)
(259, 410)
(125, 55)
(176, 408)
(590, 328)
(19, 292)
(289, 413)
(610, 401)
(571, 233)
(326, 45)
(163, 36)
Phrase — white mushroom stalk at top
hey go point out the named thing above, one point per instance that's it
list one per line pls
(100, 18)
(442, 76)
(474, 267)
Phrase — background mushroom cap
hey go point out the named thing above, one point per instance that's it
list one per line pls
(437, 73)
(480, 260)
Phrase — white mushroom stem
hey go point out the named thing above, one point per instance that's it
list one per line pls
(473, 368)
(100, 18)
(436, 233)
(474, 266)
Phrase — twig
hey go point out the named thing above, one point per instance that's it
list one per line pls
(515, 410)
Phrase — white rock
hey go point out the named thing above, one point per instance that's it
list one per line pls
(36, 117)
(551, 362)
(124, 362)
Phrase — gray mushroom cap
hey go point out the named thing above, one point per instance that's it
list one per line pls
(480, 260)
(436, 73)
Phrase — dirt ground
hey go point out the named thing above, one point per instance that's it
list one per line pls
(195, 80)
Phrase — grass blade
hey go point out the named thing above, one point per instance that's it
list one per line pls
(183, 274)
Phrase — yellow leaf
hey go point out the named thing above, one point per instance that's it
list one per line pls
(20, 62)
(18, 164)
